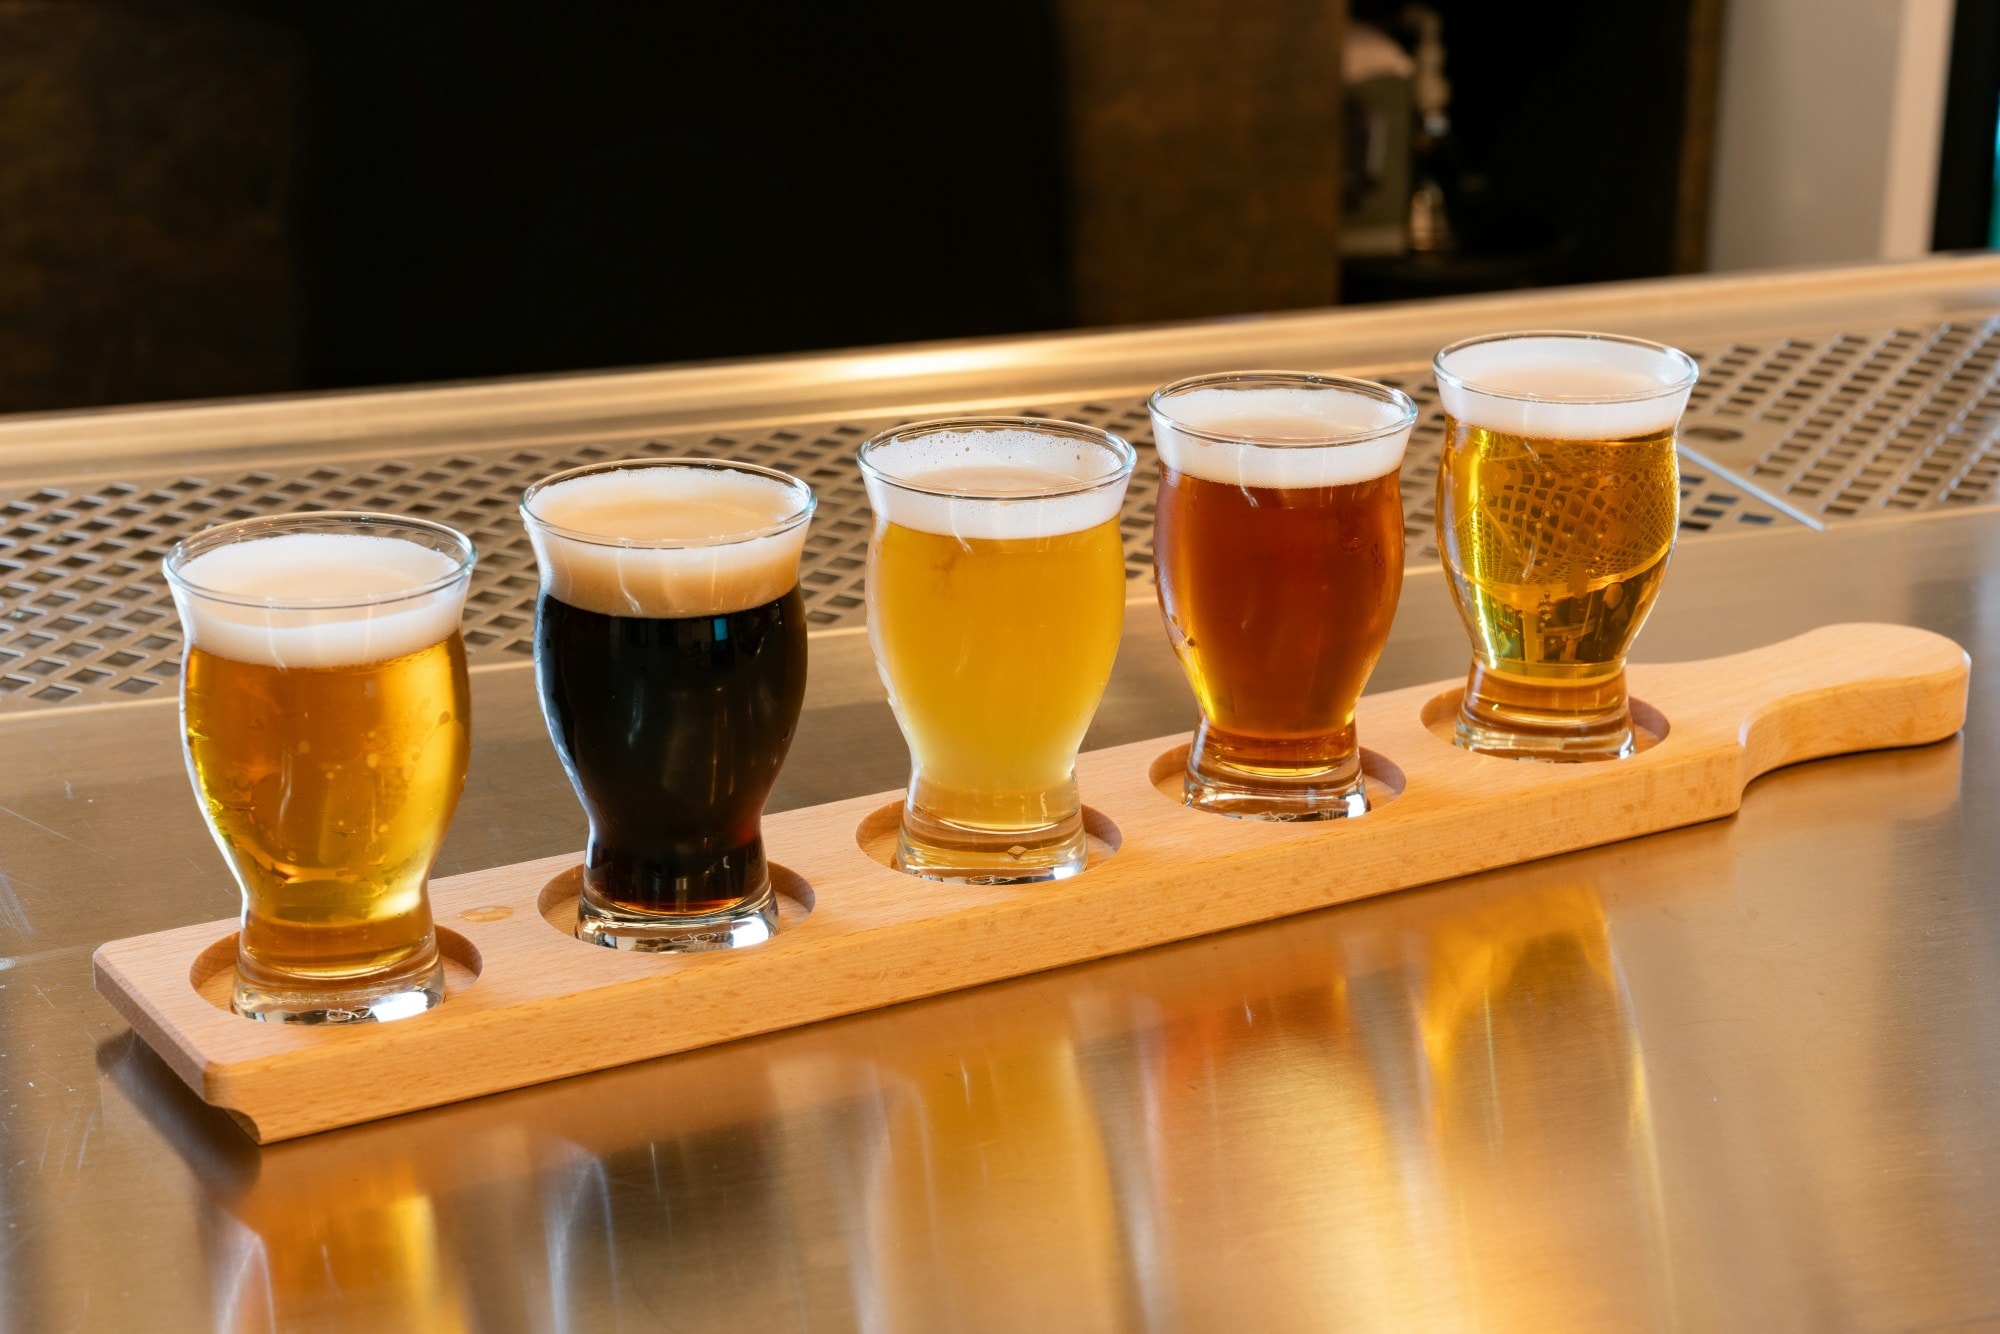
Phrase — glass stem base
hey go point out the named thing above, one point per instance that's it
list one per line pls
(940, 850)
(1226, 777)
(408, 991)
(751, 920)
(1560, 721)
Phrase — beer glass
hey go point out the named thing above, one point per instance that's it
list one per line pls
(670, 657)
(1278, 546)
(326, 715)
(996, 598)
(1558, 496)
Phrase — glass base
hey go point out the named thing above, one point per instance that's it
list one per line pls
(377, 1001)
(750, 922)
(1560, 722)
(1292, 792)
(937, 850)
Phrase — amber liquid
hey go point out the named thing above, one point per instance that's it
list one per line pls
(1555, 551)
(1279, 602)
(1556, 548)
(329, 790)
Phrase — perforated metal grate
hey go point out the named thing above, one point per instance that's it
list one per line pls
(1856, 424)
(1840, 425)
(88, 615)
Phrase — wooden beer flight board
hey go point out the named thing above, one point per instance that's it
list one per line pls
(527, 1002)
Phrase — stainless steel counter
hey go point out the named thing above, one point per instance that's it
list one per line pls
(1741, 1075)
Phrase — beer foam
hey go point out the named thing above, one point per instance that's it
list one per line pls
(1559, 388)
(1278, 437)
(1005, 467)
(237, 600)
(654, 541)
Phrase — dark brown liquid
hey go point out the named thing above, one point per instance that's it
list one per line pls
(673, 730)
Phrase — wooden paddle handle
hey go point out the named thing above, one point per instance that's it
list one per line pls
(1833, 691)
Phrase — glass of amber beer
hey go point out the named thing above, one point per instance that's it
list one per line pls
(670, 656)
(996, 598)
(1278, 546)
(326, 715)
(1558, 496)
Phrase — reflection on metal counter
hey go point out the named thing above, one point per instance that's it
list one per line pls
(1446, 1105)
(1427, 1106)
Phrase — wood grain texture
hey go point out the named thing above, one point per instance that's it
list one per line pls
(543, 1005)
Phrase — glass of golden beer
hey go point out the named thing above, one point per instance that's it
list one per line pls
(996, 598)
(325, 708)
(1278, 546)
(1558, 496)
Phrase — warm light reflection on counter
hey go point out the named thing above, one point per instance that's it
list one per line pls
(371, 1255)
(1397, 1124)
(1383, 1103)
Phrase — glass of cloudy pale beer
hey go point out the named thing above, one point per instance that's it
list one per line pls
(670, 656)
(326, 715)
(1558, 496)
(996, 598)
(1278, 548)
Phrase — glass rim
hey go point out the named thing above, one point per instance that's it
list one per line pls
(1690, 370)
(465, 556)
(1156, 402)
(598, 539)
(1117, 445)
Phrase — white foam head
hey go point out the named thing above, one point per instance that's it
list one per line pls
(668, 539)
(1557, 386)
(1256, 432)
(307, 599)
(1015, 480)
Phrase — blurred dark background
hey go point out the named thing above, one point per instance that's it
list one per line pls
(213, 197)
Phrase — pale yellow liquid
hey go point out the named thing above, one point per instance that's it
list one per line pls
(995, 653)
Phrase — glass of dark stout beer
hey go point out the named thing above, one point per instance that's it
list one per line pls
(670, 656)
(1278, 546)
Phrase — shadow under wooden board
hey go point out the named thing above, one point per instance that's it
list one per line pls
(527, 1002)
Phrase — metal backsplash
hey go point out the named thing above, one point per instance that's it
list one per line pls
(1800, 431)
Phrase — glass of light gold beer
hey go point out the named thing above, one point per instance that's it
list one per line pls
(1278, 546)
(1558, 497)
(996, 597)
(325, 710)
